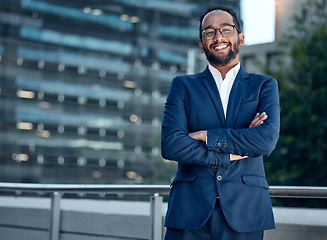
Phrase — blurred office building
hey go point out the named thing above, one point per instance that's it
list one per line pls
(83, 85)
(268, 54)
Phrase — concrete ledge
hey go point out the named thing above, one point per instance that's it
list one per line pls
(82, 219)
(298, 224)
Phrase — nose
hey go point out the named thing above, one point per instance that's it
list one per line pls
(218, 34)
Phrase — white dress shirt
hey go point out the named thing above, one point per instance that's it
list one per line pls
(224, 85)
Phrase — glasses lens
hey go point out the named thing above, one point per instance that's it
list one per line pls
(227, 31)
(209, 33)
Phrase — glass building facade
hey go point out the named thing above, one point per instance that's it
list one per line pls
(83, 86)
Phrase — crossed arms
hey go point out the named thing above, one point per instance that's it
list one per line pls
(256, 121)
(178, 144)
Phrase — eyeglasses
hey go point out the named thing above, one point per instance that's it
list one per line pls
(225, 31)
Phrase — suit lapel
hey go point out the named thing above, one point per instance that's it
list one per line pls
(235, 97)
(210, 84)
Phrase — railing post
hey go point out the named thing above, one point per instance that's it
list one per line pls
(55, 216)
(156, 217)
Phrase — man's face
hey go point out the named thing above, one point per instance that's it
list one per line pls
(221, 51)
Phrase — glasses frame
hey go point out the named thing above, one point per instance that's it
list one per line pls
(218, 29)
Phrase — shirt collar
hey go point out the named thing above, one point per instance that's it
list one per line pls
(232, 72)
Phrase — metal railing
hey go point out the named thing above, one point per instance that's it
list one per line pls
(57, 190)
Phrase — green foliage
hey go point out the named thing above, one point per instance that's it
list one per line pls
(300, 156)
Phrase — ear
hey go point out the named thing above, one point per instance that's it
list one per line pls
(201, 46)
(241, 37)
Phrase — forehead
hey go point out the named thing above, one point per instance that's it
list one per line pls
(217, 18)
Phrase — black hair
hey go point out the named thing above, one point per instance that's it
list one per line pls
(229, 10)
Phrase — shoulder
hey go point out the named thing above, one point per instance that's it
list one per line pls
(261, 79)
(189, 77)
(266, 85)
(183, 85)
(260, 82)
(255, 77)
(187, 81)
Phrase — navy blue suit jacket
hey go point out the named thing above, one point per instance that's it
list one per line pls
(204, 169)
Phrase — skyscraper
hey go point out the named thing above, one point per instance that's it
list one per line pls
(83, 86)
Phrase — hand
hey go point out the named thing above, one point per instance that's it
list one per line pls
(236, 157)
(256, 121)
(199, 135)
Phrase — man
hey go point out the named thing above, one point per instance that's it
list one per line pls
(217, 125)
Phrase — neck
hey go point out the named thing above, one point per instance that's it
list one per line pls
(224, 69)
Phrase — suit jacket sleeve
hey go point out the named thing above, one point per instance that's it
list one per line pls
(175, 143)
(256, 141)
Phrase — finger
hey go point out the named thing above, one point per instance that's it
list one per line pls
(263, 117)
(258, 119)
(237, 157)
(254, 120)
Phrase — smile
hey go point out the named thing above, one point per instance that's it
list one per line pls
(220, 47)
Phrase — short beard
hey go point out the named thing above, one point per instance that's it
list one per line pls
(223, 61)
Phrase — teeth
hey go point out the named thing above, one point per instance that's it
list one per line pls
(220, 47)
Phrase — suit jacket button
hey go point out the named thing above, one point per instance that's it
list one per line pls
(225, 144)
(219, 178)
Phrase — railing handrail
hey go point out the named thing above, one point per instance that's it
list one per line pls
(86, 188)
(274, 191)
(56, 190)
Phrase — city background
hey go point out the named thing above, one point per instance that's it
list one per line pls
(83, 86)
(82, 91)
